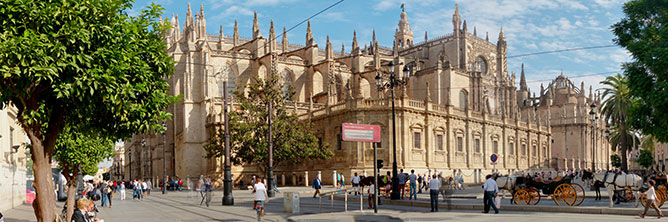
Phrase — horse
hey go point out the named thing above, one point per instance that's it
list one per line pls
(366, 181)
(446, 185)
(611, 181)
(507, 183)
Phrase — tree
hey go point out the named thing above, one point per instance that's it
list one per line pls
(293, 140)
(648, 143)
(645, 159)
(83, 62)
(77, 150)
(615, 160)
(644, 33)
(614, 108)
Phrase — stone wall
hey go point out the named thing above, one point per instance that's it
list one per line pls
(12, 186)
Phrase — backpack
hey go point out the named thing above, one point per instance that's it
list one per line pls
(316, 183)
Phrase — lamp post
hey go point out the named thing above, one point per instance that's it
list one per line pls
(593, 117)
(228, 199)
(130, 162)
(164, 157)
(270, 170)
(607, 137)
(390, 84)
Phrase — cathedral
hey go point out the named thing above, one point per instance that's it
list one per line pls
(458, 106)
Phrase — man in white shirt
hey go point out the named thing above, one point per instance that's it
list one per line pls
(434, 186)
(260, 195)
(413, 186)
(356, 182)
(372, 192)
(491, 189)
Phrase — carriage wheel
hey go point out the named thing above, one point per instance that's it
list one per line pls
(534, 196)
(521, 197)
(628, 194)
(579, 194)
(643, 199)
(564, 195)
(661, 196)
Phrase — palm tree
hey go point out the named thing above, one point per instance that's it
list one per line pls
(615, 107)
(648, 143)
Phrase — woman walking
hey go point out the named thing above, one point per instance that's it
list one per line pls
(651, 196)
(122, 189)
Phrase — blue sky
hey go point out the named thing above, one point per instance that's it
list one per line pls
(529, 25)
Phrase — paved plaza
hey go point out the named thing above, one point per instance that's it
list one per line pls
(185, 206)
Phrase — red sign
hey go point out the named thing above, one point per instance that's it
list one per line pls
(493, 158)
(360, 132)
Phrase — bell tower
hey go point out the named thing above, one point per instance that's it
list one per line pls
(404, 35)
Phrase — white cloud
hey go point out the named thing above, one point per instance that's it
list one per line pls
(608, 3)
(236, 10)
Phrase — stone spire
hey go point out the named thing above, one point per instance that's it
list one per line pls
(272, 37)
(523, 80)
(487, 36)
(236, 33)
(464, 29)
(189, 26)
(221, 36)
(256, 27)
(284, 43)
(343, 49)
(428, 97)
(202, 23)
(475, 33)
(590, 92)
(404, 34)
(177, 28)
(501, 36)
(329, 50)
(425, 36)
(456, 20)
(373, 38)
(355, 47)
(309, 34)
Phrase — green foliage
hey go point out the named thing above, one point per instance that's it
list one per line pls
(645, 159)
(293, 140)
(614, 108)
(76, 149)
(87, 62)
(644, 33)
(648, 143)
(616, 134)
(615, 160)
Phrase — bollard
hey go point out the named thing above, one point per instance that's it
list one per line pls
(334, 181)
(306, 178)
(361, 199)
(345, 197)
(283, 179)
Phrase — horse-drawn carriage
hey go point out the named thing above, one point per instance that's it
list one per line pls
(660, 190)
(527, 191)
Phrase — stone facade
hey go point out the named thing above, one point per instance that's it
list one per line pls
(12, 160)
(459, 106)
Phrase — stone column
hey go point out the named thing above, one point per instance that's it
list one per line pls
(334, 179)
(306, 178)
(320, 175)
(283, 179)
(294, 179)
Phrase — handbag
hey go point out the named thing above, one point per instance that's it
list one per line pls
(497, 202)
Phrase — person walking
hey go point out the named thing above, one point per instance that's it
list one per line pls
(372, 193)
(144, 188)
(491, 189)
(388, 185)
(260, 191)
(434, 186)
(122, 190)
(413, 186)
(103, 192)
(419, 184)
(355, 180)
(402, 183)
(651, 196)
(317, 185)
(149, 187)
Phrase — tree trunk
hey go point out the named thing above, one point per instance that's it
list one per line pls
(45, 198)
(622, 141)
(71, 192)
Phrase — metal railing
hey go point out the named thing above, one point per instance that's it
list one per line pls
(345, 197)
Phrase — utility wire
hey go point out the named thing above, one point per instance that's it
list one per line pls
(562, 50)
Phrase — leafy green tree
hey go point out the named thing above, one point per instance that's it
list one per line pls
(644, 33)
(83, 62)
(293, 140)
(615, 161)
(645, 159)
(614, 108)
(77, 150)
(648, 143)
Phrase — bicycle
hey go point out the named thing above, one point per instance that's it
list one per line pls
(260, 209)
(206, 198)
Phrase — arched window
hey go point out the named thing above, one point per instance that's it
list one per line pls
(463, 100)
(317, 83)
(481, 65)
(286, 81)
(226, 75)
(339, 89)
(262, 72)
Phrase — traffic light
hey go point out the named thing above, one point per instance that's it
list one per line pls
(379, 164)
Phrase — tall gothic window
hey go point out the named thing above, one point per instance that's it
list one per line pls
(462, 99)
(495, 146)
(439, 142)
(533, 150)
(544, 151)
(460, 144)
(226, 75)
(480, 65)
(476, 144)
(524, 149)
(286, 82)
(511, 148)
(416, 140)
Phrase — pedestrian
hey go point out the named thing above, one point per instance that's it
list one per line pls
(180, 183)
(149, 187)
(372, 193)
(388, 185)
(122, 190)
(402, 182)
(491, 189)
(413, 186)
(434, 186)
(103, 189)
(355, 180)
(419, 183)
(140, 190)
(261, 196)
(110, 192)
(317, 184)
(343, 181)
(651, 196)
(144, 188)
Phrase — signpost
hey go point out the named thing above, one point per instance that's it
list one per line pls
(494, 158)
(365, 133)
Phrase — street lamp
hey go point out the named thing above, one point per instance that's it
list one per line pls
(593, 118)
(130, 162)
(270, 170)
(164, 158)
(228, 199)
(390, 84)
